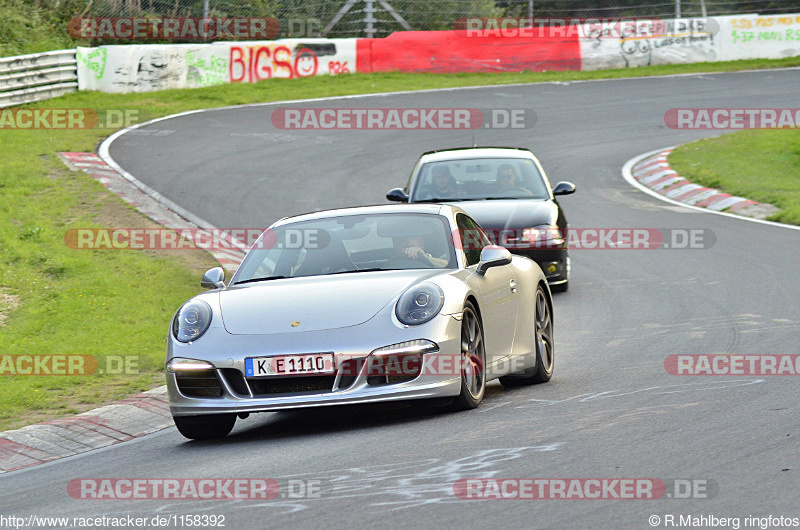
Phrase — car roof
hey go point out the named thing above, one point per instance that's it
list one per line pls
(407, 208)
(476, 152)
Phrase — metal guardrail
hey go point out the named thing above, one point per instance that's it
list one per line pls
(38, 76)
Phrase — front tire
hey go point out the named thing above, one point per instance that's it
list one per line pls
(544, 346)
(473, 361)
(205, 427)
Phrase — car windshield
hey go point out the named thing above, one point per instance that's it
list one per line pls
(351, 243)
(477, 179)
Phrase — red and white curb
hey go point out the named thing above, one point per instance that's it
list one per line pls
(654, 172)
(130, 418)
(148, 205)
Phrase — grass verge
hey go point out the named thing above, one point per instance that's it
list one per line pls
(59, 301)
(762, 165)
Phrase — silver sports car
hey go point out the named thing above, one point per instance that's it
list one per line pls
(359, 305)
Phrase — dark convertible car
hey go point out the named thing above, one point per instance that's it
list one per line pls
(507, 192)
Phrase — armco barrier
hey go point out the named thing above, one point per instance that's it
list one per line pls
(28, 78)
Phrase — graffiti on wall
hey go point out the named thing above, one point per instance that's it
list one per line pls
(286, 59)
(752, 37)
(142, 68)
(205, 69)
(93, 60)
(651, 43)
(776, 28)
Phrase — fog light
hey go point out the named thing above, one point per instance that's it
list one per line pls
(552, 267)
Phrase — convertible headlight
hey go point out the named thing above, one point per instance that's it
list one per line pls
(419, 304)
(191, 321)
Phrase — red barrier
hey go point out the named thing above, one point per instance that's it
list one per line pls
(453, 51)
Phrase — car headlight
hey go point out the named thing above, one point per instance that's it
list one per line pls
(419, 304)
(191, 321)
(543, 235)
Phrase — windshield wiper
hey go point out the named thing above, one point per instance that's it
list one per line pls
(525, 197)
(264, 279)
(434, 199)
(452, 199)
(373, 269)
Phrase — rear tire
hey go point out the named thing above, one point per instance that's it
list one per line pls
(473, 361)
(544, 346)
(205, 427)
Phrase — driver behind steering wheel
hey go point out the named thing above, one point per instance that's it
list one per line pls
(413, 247)
(508, 180)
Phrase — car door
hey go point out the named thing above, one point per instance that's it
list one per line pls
(495, 290)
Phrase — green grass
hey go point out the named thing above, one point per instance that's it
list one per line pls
(55, 300)
(762, 165)
(68, 301)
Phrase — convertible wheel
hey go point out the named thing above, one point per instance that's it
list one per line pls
(473, 361)
(205, 427)
(545, 348)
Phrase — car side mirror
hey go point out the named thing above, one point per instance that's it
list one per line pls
(213, 278)
(493, 256)
(397, 195)
(564, 188)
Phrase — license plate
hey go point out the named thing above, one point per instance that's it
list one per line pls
(306, 364)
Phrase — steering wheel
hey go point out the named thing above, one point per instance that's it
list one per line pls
(401, 260)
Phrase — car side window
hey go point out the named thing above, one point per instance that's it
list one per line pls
(473, 239)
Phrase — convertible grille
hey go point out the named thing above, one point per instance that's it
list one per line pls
(291, 385)
(200, 384)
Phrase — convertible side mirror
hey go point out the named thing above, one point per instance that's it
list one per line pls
(564, 188)
(397, 195)
(493, 256)
(213, 278)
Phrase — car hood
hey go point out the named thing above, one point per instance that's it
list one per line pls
(312, 303)
(519, 213)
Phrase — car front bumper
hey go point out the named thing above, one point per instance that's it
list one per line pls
(544, 257)
(239, 394)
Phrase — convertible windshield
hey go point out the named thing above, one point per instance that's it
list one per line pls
(354, 243)
(478, 179)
